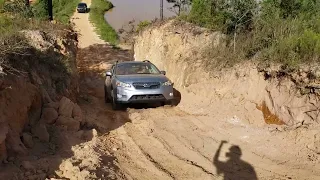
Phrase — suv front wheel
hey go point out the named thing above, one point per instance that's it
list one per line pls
(115, 104)
(106, 97)
(168, 103)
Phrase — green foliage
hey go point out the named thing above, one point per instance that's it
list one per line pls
(1, 3)
(142, 25)
(284, 31)
(62, 9)
(40, 9)
(97, 10)
(227, 16)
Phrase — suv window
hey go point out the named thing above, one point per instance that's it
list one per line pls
(136, 68)
(82, 5)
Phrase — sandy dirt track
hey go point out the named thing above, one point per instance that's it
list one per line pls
(172, 143)
(87, 36)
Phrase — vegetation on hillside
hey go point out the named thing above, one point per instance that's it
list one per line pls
(1, 3)
(62, 9)
(283, 31)
(15, 51)
(97, 10)
(142, 25)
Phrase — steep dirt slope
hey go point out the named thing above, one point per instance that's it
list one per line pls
(24, 89)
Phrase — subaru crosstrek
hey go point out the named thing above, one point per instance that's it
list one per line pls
(137, 82)
(82, 8)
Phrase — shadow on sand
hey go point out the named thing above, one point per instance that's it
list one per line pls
(234, 168)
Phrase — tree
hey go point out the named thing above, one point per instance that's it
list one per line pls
(27, 2)
(180, 6)
(226, 15)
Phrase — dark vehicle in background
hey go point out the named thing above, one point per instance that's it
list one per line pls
(82, 8)
(137, 82)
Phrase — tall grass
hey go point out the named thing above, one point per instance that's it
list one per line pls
(97, 10)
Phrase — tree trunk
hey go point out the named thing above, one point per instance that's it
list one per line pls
(50, 13)
(27, 2)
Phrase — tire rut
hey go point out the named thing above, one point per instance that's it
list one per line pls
(163, 159)
(159, 166)
(184, 159)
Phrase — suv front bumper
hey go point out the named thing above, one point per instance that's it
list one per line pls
(82, 10)
(132, 95)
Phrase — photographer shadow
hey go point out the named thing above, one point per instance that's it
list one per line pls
(234, 168)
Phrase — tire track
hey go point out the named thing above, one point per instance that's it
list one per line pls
(159, 166)
(164, 159)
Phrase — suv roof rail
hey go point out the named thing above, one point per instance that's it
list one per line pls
(146, 61)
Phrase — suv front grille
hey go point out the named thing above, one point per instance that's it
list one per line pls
(147, 97)
(146, 85)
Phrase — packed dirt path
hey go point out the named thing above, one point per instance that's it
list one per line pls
(177, 143)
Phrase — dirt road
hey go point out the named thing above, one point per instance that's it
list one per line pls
(87, 36)
(172, 143)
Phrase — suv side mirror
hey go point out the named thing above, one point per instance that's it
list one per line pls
(108, 73)
(163, 72)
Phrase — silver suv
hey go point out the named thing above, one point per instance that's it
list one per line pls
(137, 82)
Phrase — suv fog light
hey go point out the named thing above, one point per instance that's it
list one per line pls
(171, 94)
(121, 96)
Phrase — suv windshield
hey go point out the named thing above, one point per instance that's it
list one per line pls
(82, 5)
(136, 68)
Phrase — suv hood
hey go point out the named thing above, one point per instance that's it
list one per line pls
(142, 78)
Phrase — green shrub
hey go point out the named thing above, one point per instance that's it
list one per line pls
(223, 15)
(62, 9)
(142, 25)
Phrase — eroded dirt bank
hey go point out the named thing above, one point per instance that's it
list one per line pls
(35, 80)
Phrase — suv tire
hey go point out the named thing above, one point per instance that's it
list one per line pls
(106, 97)
(168, 103)
(115, 104)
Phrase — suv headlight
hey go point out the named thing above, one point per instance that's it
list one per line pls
(167, 83)
(122, 84)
